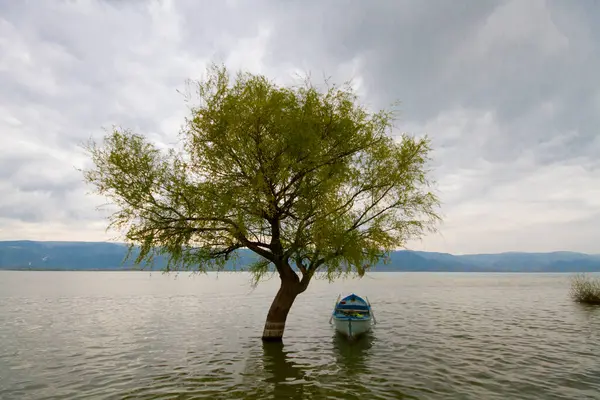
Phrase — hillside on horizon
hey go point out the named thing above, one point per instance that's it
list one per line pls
(81, 256)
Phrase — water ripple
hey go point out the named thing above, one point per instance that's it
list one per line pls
(135, 336)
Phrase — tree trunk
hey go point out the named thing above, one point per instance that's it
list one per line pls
(279, 310)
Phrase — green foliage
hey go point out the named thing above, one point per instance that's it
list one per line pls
(585, 289)
(295, 174)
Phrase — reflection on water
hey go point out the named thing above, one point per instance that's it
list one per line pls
(439, 336)
(352, 356)
(283, 376)
(288, 379)
(278, 365)
(291, 379)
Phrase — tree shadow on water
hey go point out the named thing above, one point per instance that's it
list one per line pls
(280, 377)
(268, 374)
(278, 365)
(271, 371)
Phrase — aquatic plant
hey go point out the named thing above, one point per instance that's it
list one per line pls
(585, 289)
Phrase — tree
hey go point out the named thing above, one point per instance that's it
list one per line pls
(309, 180)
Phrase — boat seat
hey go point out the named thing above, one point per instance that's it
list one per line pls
(353, 307)
(349, 311)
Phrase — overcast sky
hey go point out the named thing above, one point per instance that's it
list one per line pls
(507, 90)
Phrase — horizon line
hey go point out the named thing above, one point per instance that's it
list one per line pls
(400, 249)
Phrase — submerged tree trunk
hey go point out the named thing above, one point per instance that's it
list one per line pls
(279, 310)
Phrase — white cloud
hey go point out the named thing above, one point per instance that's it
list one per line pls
(486, 202)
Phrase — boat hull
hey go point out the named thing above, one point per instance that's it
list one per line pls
(352, 328)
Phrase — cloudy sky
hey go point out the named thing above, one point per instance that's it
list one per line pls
(507, 90)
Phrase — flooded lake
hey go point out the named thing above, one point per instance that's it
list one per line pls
(141, 335)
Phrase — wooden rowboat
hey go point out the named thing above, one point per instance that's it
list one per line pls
(352, 316)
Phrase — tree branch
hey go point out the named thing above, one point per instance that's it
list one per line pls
(255, 247)
(358, 222)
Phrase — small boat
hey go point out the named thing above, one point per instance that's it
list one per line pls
(352, 316)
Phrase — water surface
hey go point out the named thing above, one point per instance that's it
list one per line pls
(141, 335)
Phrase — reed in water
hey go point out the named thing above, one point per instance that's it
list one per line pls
(585, 289)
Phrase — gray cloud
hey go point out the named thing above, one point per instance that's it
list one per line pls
(506, 90)
(517, 59)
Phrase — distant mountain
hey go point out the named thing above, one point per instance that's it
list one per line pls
(33, 255)
(26, 255)
(559, 261)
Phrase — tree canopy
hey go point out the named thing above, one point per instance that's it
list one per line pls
(300, 176)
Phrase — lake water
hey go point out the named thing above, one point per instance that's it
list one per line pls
(141, 335)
